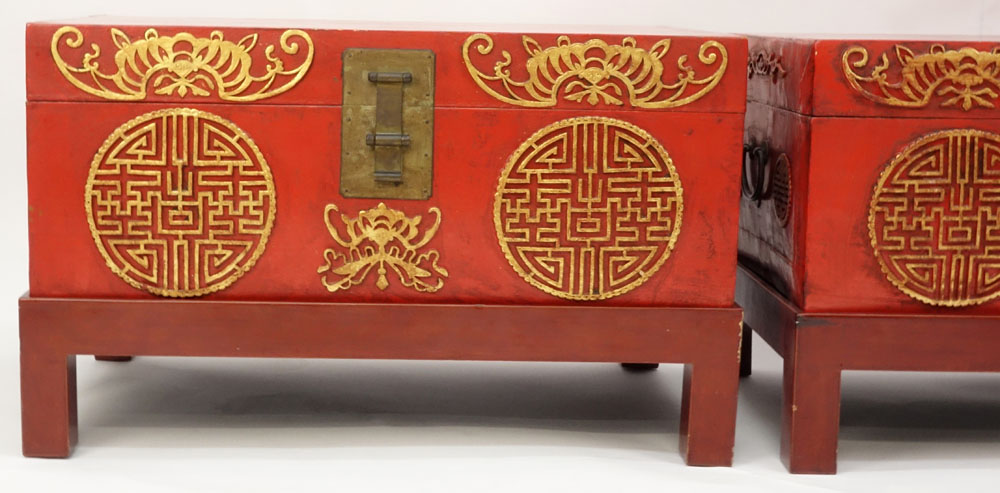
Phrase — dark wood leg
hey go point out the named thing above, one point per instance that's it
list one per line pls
(708, 410)
(746, 350)
(810, 402)
(48, 400)
(117, 359)
(640, 367)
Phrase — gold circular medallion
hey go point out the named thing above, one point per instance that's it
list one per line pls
(180, 202)
(588, 208)
(934, 219)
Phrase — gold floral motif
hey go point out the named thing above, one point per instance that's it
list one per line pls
(934, 218)
(965, 76)
(596, 72)
(588, 208)
(180, 202)
(183, 64)
(382, 237)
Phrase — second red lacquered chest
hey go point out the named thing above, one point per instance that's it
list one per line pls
(870, 217)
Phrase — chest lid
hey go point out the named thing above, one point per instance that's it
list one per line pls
(156, 61)
(902, 78)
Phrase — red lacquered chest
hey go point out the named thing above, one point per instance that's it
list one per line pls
(489, 195)
(871, 214)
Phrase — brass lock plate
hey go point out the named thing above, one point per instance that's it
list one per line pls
(387, 124)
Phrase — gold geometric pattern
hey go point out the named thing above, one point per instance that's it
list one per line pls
(588, 208)
(966, 75)
(180, 202)
(385, 238)
(597, 72)
(184, 64)
(934, 218)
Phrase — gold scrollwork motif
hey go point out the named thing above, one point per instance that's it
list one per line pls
(934, 218)
(588, 208)
(596, 72)
(180, 202)
(763, 63)
(965, 76)
(184, 64)
(385, 238)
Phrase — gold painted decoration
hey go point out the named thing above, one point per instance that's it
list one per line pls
(595, 71)
(385, 239)
(588, 208)
(934, 219)
(965, 77)
(180, 202)
(185, 64)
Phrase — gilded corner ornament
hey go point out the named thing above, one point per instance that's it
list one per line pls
(384, 239)
(595, 71)
(185, 64)
(965, 77)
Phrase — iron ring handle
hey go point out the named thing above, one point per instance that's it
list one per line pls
(757, 173)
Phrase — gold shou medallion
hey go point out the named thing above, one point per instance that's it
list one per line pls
(180, 202)
(185, 64)
(965, 77)
(934, 219)
(384, 239)
(588, 208)
(595, 72)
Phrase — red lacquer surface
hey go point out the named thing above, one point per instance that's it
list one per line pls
(848, 155)
(322, 82)
(812, 78)
(302, 148)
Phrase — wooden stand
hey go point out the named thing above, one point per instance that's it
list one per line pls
(817, 346)
(54, 331)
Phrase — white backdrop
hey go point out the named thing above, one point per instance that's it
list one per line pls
(177, 425)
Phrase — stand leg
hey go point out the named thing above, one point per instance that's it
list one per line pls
(48, 401)
(117, 359)
(810, 412)
(640, 367)
(708, 410)
(746, 350)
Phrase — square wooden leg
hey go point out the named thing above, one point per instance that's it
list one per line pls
(708, 411)
(810, 414)
(48, 402)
